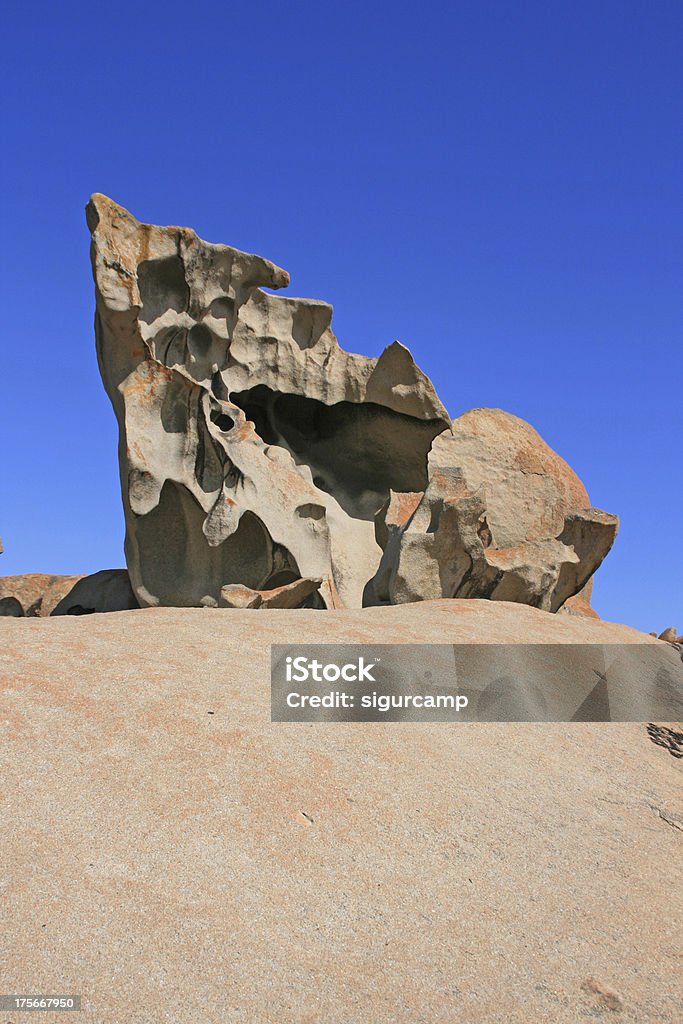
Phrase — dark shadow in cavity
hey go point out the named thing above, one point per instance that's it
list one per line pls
(180, 568)
(356, 452)
(162, 287)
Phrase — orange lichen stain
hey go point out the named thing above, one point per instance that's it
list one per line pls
(145, 236)
(147, 380)
(402, 506)
(505, 556)
(134, 449)
(49, 692)
(246, 432)
(14, 724)
(321, 762)
(529, 461)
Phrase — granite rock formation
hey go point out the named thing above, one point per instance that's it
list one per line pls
(256, 454)
(37, 595)
(253, 449)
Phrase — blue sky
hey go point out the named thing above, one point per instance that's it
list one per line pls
(497, 185)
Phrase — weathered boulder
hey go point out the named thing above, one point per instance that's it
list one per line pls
(106, 591)
(579, 605)
(33, 594)
(37, 595)
(527, 488)
(503, 517)
(254, 450)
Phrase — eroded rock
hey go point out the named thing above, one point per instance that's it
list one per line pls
(33, 594)
(37, 595)
(254, 450)
(106, 591)
(503, 518)
(255, 453)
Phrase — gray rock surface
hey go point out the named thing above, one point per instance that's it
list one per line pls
(255, 452)
(106, 591)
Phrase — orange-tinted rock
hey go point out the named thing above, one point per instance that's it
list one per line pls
(503, 517)
(526, 487)
(39, 594)
(578, 605)
(193, 867)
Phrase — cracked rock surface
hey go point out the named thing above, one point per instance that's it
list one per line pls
(255, 452)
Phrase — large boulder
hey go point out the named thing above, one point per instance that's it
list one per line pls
(527, 488)
(503, 517)
(33, 594)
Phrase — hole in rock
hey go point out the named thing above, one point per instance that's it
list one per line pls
(162, 287)
(311, 511)
(484, 533)
(222, 308)
(199, 341)
(10, 606)
(222, 421)
(436, 510)
(282, 578)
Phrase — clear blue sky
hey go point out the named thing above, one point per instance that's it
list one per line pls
(498, 185)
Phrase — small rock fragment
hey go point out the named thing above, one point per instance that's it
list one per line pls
(291, 595)
(234, 595)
